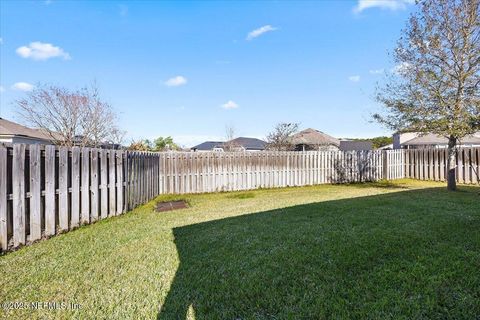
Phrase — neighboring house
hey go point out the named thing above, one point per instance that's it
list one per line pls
(12, 132)
(355, 145)
(387, 147)
(208, 146)
(247, 144)
(413, 140)
(399, 138)
(238, 144)
(311, 139)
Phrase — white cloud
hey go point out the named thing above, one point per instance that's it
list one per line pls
(42, 51)
(2, 89)
(258, 32)
(176, 81)
(376, 71)
(401, 68)
(230, 105)
(354, 78)
(382, 4)
(23, 86)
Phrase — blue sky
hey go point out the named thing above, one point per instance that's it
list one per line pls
(188, 69)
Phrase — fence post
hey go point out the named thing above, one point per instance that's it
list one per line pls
(385, 164)
(3, 197)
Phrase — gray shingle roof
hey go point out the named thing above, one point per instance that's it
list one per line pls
(353, 145)
(433, 139)
(208, 145)
(249, 143)
(10, 129)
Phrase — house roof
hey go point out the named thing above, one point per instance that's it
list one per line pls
(249, 143)
(314, 137)
(208, 145)
(355, 145)
(10, 129)
(434, 139)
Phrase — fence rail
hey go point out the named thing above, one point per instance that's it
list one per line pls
(45, 190)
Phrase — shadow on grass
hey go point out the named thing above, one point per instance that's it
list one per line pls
(411, 254)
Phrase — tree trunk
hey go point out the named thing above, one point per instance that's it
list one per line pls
(452, 164)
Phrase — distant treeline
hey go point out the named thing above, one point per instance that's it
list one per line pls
(377, 142)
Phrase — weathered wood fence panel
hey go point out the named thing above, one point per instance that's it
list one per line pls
(45, 190)
(187, 172)
(431, 164)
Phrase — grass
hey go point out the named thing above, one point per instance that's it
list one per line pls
(389, 251)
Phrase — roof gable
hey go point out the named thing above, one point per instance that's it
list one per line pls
(9, 128)
(434, 139)
(249, 143)
(314, 137)
(208, 145)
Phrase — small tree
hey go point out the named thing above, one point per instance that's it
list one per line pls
(436, 86)
(164, 144)
(140, 145)
(70, 118)
(280, 139)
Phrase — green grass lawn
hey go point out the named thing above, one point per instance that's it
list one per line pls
(387, 251)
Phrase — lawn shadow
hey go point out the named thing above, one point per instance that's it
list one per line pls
(371, 257)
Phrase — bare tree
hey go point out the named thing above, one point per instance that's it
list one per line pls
(117, 137)
(230, 135)
(100, 120)
(436, 86)
(70, 118)
(280, 139)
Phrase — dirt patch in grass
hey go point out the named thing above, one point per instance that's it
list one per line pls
(170, 205)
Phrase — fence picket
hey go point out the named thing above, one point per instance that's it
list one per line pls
(63, 189)
(18, 167)
(111, 183)
(35, 193)
(3, 198)
(103, 184)
(119, 182)
(75, 198)
(85, 212)
(94, 185)
(49, 190)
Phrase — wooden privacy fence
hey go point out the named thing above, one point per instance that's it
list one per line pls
(188, 172)
(431, 164)
(45, 190)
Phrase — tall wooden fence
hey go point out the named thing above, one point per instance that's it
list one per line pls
(198, 172)
(431, 164)
(45, 190)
